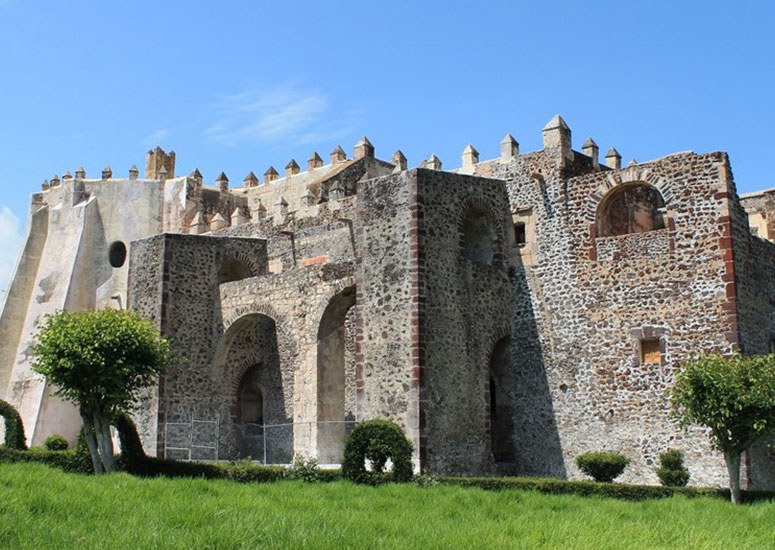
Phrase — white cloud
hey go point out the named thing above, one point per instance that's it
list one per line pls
(11, 237)
(285, 113)
(154, 138)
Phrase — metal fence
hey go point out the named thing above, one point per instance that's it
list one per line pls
(204, 440)
(193, 440)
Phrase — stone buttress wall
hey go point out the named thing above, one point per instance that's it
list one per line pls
(753, 292)
(388, 300)
(466, 311)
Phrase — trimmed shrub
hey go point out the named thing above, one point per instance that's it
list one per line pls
(247, 472)
(377, 441)
(14, 429)
(593, 488)
(602, 467)
(56, 442)
(131, 448)
(671, 471)
(304, 468)
(69, 461)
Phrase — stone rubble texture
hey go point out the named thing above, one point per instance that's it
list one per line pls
(362, 289)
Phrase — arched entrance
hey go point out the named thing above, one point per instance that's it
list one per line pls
(336, 375)
(501, 403)
(261, 390)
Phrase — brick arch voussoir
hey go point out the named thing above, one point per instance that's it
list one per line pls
(476, 202)
(239, 313)
(500, 332)
(237, 373)
(282, 328)
(243, 258)
(335, 290)
(636, 174)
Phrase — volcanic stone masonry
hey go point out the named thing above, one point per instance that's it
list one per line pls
(510, 314)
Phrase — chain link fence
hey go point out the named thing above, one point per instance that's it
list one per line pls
(203, 440)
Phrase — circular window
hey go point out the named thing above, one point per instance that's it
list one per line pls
(117, 254)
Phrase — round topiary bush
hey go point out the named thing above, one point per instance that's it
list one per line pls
(14, 429)
(603, 467)
(56, 442)
(377, 441)
(671, 471)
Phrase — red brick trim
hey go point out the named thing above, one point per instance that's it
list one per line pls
(671, 234)
(317, 260)
(592, 238)
(166, 261)
(360, 384)
(730, 306)
(418, 396)
(243, 258)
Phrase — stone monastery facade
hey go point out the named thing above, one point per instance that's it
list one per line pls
(510, 314)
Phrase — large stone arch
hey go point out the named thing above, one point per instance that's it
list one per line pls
(630, 175)
(632, 207)
(256, 341)
(335, 289)
(335, 373)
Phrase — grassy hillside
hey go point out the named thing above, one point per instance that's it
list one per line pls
(46, 508)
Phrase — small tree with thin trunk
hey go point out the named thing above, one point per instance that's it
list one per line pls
(734, 397)
(100, 360)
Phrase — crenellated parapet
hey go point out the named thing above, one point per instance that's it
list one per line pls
(299, 192)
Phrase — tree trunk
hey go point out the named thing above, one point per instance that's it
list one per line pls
(91, 443)
(732, 458)
(104, 442)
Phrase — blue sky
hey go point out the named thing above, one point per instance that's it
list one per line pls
(237, 86)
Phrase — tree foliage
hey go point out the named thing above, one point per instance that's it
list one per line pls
(101, 361)
(734, 397)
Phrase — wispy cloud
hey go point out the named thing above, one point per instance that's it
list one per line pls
(285, 113)
(155, 137)
(11, 237)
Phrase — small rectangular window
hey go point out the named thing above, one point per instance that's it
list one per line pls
(650, 352)
(520, 236)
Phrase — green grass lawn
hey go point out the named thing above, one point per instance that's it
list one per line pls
(45, 508)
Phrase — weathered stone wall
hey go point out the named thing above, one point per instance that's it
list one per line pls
(580, 383)
(494, 355)
(327, 237)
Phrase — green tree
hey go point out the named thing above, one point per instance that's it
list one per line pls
(100, 360)
(734, 397)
